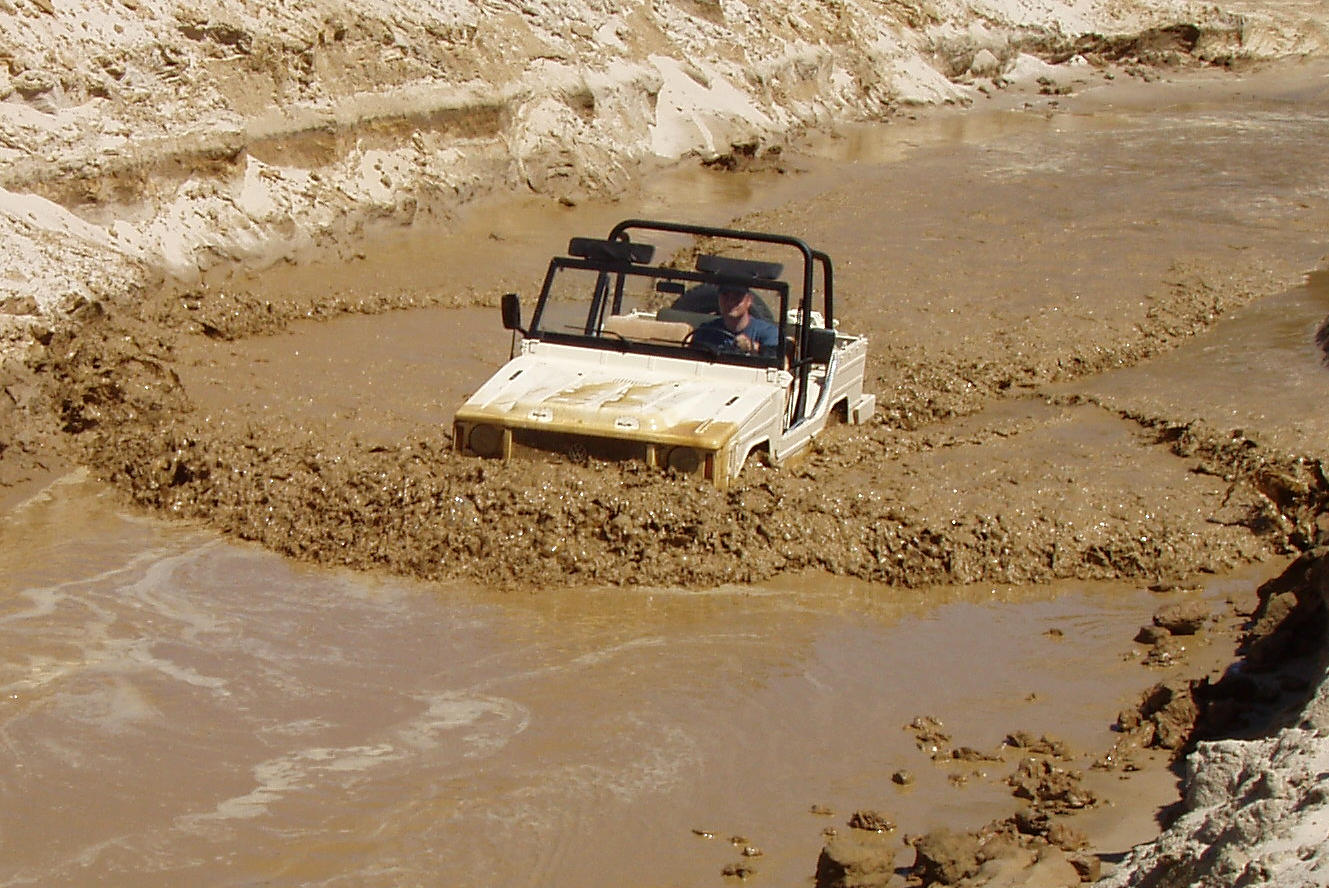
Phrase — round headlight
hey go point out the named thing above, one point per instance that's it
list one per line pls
(486, 440)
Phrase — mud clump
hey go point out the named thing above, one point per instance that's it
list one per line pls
(871, 821)
(1049, 787)
(1280, 645)
(1247, 801)
(945, 857)
(856, 860)
(1018, 850)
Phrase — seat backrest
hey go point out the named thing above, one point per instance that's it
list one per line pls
(638, 327)
(705, 299)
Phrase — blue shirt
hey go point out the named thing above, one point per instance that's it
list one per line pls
(714, 334)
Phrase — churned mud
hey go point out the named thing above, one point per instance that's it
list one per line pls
(1098, 351)
(1053, 246)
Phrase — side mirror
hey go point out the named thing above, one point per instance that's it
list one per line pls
(511, 306)
(821, 344)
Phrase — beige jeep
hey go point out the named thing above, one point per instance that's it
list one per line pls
(612, 366)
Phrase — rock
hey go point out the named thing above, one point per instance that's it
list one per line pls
(1066, 837)
(969, 754)
(855, 861)
(1151, 634)
(1032, 823)
(742, 870)
(1163, 718)
(1089, 866)
(985, 64)
(929, 736)
(1051, 870)
(1043, 745)
(32, 83)
(871, 821)
(1185, 618)
(1273, 611)
(1170, 707)
(1050, 788)
(945, 857)
(1021, 868)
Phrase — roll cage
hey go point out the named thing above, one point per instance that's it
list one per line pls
(622, 282)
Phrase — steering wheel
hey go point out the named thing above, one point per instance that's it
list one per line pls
(690, 341)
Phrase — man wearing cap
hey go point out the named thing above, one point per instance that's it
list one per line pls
(736, 330)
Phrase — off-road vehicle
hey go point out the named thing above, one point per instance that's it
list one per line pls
(612, 366)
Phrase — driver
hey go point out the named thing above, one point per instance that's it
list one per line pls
(736, 330)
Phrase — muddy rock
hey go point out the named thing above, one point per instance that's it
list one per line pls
(1166, 651)
(1164, 716)
(1040, 745)
(1044, 867)
(1038, 823)
(1152, 634)
(1050, 788)
(930, 737)
(741, 870)
(871, 821)
(970, 754)
(1186, 618)
(945, 857)
(856, 860)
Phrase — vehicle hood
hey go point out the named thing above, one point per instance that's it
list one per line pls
(661, 400)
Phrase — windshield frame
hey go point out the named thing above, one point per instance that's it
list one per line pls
(607, 299)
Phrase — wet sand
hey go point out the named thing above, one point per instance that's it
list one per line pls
(592, 662)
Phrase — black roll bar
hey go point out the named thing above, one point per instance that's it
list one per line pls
(810, 256)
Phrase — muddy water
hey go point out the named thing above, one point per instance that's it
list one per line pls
(1260, 371)
(177, 709)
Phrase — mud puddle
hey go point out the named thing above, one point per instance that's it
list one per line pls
(178, 708)
(377, 378)
(1259, 372)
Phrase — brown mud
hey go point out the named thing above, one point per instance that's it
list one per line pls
(1077, 375)
(1279, 659)
(182, 709)
(1046, 247)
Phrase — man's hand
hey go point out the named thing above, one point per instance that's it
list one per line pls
(745, 345)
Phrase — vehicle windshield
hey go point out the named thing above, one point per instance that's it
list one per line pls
(661, 310)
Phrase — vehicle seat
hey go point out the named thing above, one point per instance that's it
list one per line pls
(704, 299)
(638, 327)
